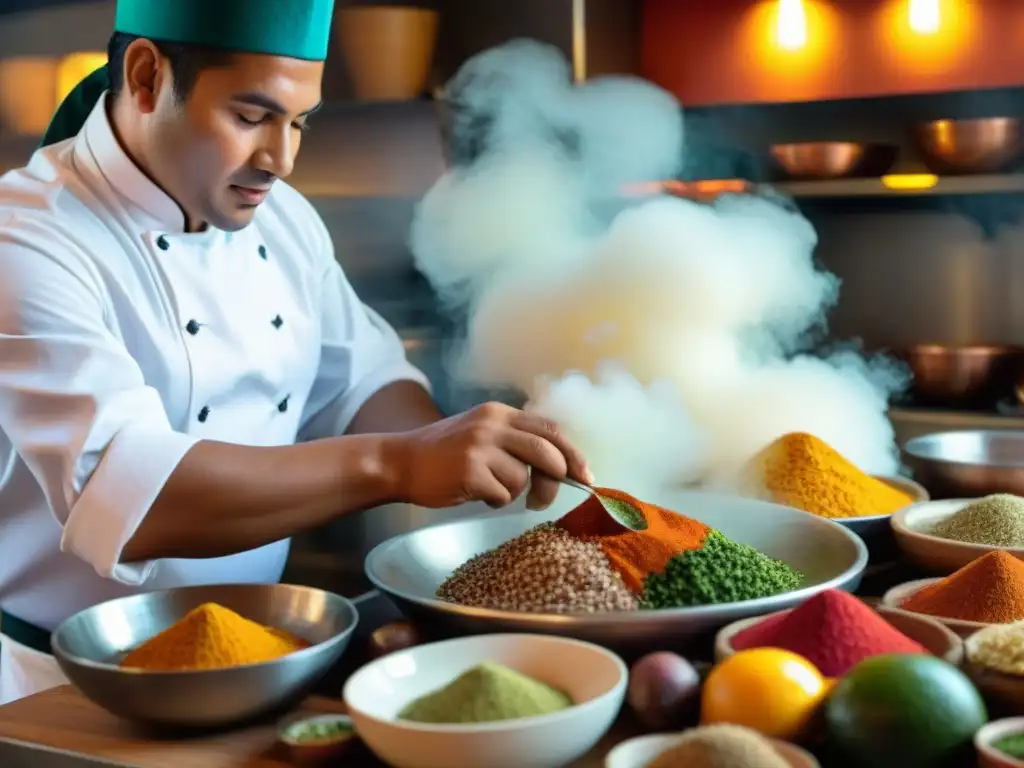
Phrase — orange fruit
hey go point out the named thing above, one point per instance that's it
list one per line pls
(769, 690)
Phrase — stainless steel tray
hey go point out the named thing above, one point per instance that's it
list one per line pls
(410, 567)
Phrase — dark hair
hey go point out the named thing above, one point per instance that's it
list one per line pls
(187, 61)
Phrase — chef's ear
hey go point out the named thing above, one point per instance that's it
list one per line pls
(145, 72)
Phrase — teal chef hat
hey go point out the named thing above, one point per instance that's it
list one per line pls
(298, 29)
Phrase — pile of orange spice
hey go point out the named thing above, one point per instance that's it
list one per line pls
(989, 590)
(635, 554)
(212, 637)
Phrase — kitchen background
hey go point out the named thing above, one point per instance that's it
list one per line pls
(924, 259)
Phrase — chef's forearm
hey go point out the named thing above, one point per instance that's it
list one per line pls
(398, 407)
(224, 498)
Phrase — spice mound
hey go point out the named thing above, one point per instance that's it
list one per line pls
(801, 471)
(720, 746)
(722, 571)
(1000, 648)
(833, 630)
(996, 521)
(212, 637)
(543, 571)
(988, 590)
(486, 693)
(634, 554)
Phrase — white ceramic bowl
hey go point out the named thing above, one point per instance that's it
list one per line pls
(994, 731)
(933, 552)
(641, 751)
(593, 677)
(894, 599)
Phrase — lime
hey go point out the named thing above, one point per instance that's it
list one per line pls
(905, 711)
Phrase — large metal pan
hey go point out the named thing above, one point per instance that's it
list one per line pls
(410, 567)
(968, 463)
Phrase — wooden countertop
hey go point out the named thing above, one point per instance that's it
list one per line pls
(63, 719)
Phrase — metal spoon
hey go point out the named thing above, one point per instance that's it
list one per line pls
(621, 512)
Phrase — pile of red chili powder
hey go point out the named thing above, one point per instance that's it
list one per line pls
(833, 630)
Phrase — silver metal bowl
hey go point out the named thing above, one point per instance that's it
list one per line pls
(89, 645)
(968, 463)
(410, 567)
(983, 145)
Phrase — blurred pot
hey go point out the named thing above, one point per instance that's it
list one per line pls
(388, 49)
(968, 464)
(832, 159)
(984, 145)
(963, 375)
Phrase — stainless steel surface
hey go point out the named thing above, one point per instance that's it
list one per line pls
(968, 146)
(962, 375)
(90, 643)
(818, 159)
(968, 463)
(410, 567)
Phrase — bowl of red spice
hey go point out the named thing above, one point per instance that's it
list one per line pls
(835, 631)
(989, 590)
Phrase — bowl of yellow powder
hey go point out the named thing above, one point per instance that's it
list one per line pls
(501, 701)
(204, 657)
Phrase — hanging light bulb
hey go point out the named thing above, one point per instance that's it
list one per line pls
(791, 25)
(925, 16)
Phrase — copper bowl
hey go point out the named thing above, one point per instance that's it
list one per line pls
(818, 159)
(966, 376)
(984, 145)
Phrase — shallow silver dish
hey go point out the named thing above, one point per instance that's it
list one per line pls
(89, 645)
(968, 463)
(409, 568)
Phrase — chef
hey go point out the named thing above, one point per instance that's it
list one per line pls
(186, 376)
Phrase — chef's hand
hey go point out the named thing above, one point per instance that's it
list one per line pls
(490, 454)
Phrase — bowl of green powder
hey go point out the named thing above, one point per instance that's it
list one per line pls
(943, 536)
(1000, 744)
(501, 701)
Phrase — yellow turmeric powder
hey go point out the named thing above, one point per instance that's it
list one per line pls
(212, 637)
(801, 471)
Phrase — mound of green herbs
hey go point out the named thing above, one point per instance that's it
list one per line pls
(722, 571)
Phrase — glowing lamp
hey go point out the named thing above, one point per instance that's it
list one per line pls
(925, 16)
(791, 25)
(909, 182)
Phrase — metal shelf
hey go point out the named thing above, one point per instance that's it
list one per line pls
(873, 187)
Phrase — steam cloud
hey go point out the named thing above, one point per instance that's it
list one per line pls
(664, 336)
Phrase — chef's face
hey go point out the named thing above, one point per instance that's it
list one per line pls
(218, 151)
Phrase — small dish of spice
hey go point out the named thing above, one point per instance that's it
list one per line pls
(319, 738)
(995, 663)
(942, 536)
(1000, 744)
(708, 747)
(988, 591)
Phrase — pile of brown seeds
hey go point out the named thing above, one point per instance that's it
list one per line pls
(546, 570)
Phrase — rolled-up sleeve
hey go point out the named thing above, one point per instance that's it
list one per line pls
(359, 355)
(75, 406)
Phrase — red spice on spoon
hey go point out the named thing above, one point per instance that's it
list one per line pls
(833, 630)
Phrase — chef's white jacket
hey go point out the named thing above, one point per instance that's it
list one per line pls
(123, 342)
